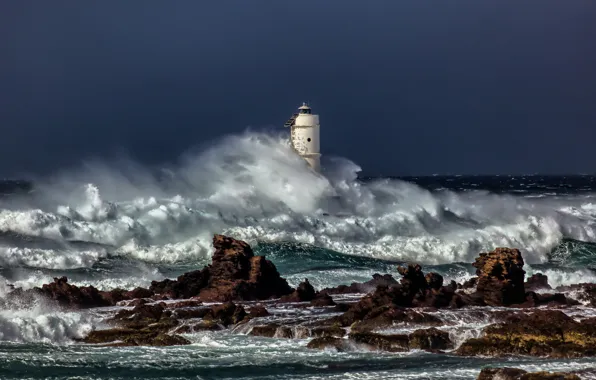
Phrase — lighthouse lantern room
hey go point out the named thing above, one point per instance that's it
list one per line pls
(305, 136)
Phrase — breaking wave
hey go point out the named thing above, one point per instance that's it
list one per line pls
(253, 187)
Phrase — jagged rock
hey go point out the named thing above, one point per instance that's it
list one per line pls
(186, 285)
(586, 293)
(542, 333)
(501, 277)
(303, 293)
(365, 287)
(329, 342)
(72, 296)
(537, 281)
(434, 280)
(234, 274)
(131, 337)
(258, 311)
(277, 330)
(430, 339)
(322, 300)
(468, 284)
(519, 374)
(227, 314)
(391, 343)
(387, 316)
(537, 299)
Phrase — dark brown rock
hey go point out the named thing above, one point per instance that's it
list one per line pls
(234, 274)
(328, 342)
(391, 343)
(542, 333)
(258, 311)
(585, 292)
(365, 287)
(430, 339)
(226, 314)
(519, 374)
(434, 280)
(501, 277)
(72, 296)
(303, 293)
(537, 281)
(322, 300)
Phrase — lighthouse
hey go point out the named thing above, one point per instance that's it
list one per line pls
(304, 136)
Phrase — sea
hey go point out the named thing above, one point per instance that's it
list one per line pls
(118, 223)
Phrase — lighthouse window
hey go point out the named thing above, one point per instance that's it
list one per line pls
(308, 139)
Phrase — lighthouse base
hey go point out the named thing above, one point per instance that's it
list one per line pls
(313, 160)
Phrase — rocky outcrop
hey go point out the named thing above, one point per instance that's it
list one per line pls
(424, 339)
(72, 296)
(236, 273)
(364, 287)
(143, 325)
(519, 374)
(303, 293)
(537, 281)
(430, 339)
(501, 277)
(542, 333)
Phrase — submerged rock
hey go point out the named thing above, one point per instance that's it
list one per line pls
(506, 373)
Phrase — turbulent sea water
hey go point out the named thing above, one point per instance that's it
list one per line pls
(119, 224)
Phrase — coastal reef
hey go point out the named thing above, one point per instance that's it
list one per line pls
(500, 312)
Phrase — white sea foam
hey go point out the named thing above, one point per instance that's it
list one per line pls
(253, 187)
(42, 323)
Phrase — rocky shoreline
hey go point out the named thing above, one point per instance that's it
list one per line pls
(238, 291)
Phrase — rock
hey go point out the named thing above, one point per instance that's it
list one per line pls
(468, 284)
(267, 331)
(391, 343)
(537, 299)
(434, 280)
(328, 342)
(334, 331)
(186, 285)
(365, 287)
(322, 300)
(501, 277)
(303, 293)
(235, 274)
(519, 374)
(537, 281)
(258, 311)
(72, 296)
(542, 333)
(226, 314)
(276, 330)
(586, 293)
(387, 316)
(139, 293)
(430, 339)
(500, 373)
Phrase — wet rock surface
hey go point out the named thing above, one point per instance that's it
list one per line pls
(245, 294)
(506, 373)
(549, 333)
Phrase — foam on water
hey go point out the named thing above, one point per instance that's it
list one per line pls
(253, 187)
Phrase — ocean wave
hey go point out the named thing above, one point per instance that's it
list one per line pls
(253, 187)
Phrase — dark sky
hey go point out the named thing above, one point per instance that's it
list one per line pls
(402, 86)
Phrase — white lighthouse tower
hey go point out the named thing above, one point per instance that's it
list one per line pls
(305, 136)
